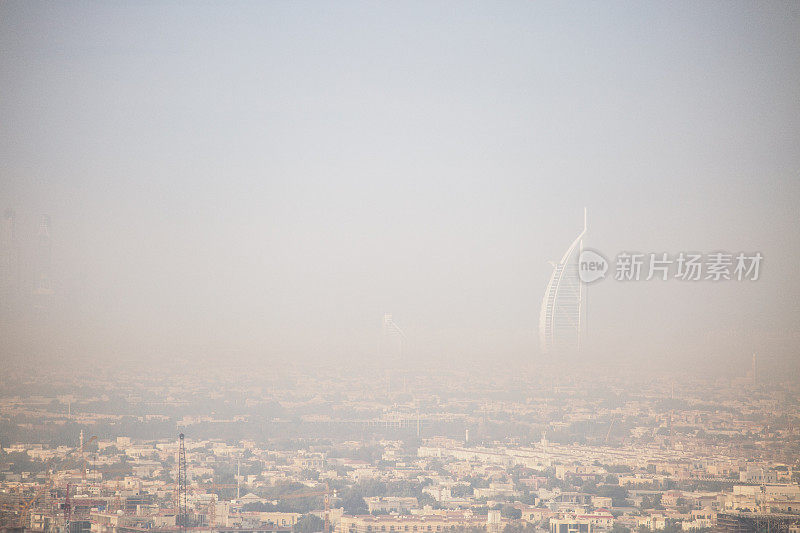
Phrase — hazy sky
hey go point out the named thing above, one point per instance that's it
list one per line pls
(269, 178)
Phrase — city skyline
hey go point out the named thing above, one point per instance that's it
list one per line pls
(287, 267)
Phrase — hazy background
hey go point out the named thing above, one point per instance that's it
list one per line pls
(267, 179)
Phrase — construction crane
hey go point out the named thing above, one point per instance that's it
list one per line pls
(610, 427)
(26, 505)
(326, 498)
(67, 510)
(83, 457)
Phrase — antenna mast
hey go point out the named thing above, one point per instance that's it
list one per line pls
(182, 513)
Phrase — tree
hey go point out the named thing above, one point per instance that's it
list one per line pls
(259, 507)
(308, 523)
(461, 490)
(309, 474)
(426, 499)
(353, 503)
(653, 502)
(525, 527)
(110, 450)
(617, 494)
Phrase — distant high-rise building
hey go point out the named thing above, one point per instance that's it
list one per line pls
(562, 320)
(9, 256)
(8, 238)
(43, 282)
(392, 338)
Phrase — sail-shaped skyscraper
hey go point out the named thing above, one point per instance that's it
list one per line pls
(562, 320)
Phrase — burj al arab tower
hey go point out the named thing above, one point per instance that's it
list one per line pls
(562, 321)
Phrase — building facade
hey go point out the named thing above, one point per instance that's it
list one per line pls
(562, 319)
